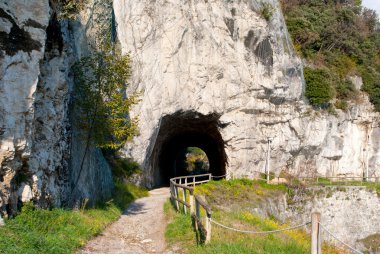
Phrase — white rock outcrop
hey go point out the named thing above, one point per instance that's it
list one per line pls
(224, 58)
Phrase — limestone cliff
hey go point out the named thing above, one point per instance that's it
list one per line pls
(223, 60)
(212, 73)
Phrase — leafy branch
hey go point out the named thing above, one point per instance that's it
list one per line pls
(100, 94)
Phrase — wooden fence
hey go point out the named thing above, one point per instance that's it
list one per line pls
(182, 195)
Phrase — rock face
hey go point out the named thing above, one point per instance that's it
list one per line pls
(213, 74)
(39, 145)
(201, 59)
(347, 212)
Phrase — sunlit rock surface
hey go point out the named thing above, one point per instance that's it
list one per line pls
(205, 69)
(224, 58)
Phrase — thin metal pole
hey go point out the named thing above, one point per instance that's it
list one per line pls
(268, 159)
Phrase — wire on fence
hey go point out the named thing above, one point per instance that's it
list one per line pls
(336, 238)
(260, 232)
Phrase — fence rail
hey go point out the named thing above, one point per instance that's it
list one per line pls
(182, 194)
(186, 199)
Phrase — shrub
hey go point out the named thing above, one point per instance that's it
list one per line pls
(318, 86)
(345, 90)
(344, 38)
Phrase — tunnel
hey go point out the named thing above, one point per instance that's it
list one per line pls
(179, 131)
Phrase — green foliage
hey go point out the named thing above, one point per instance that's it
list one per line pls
(341, 37)
(56, 231)
(196, 161)
(100, 84)
(341, 105)
(371, 80)
(69, 9)
(267, 11)
(318, 86)
(123, 167)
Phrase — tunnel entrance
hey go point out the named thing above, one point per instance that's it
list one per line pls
(177, 134)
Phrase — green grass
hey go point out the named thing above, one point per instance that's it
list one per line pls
(232, 203)
(375, 186)
(61, 230)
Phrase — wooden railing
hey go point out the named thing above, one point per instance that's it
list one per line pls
(182, 195)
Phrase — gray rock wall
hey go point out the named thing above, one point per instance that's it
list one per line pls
(350, 213)
(40, 152)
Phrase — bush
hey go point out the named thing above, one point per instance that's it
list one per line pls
(318, 86)
(343, 38)
(345, 90)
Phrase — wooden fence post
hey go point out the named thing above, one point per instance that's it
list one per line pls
(184, 199)
(191, 201)
(316, 241)
(176, 195)
(197, 214)
(208, 227)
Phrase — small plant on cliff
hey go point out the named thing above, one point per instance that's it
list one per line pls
(69, 9)
(267, 11)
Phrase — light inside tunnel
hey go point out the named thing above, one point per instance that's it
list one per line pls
(180, 131)
(191, 161)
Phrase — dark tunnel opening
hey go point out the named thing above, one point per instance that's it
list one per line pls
(182, 130)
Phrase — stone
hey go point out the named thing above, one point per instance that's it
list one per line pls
(25, 193)
(146, 241)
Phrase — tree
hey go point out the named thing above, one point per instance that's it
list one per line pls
(100, 94)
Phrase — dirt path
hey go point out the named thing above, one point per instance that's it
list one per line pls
(140, 229)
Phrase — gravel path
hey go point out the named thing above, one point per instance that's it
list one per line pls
(140, 229)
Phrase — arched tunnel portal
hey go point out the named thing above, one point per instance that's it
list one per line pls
(179, 131)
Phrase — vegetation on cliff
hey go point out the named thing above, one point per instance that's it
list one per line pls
(100, 94)
(339, 39)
